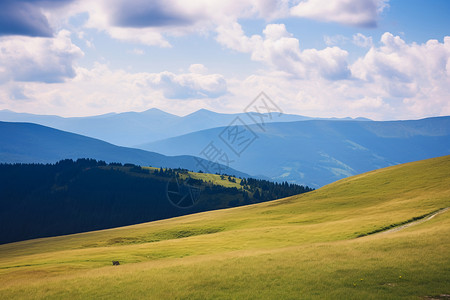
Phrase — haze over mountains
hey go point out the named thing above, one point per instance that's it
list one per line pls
(319, 152)
(32, 143)
(285, 147)
(135, 128)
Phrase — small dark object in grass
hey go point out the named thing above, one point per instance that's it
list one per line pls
(115, 263)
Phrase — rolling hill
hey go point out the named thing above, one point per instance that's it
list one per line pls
(318, 152)
(32, 143)
(133, 128)
(74, 196)
(315, 246)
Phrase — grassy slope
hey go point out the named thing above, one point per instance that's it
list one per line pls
(214, 178)
(298, 247)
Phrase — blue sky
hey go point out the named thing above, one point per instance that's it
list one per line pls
(374, 58)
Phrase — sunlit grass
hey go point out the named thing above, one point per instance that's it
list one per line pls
(299, 247)
(209, 178)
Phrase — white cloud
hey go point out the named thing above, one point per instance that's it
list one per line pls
(139, 35)
(38, 59)
(393, 80)
(348, 12)
(396, 80)
(416, 74)
(363, 41)
(232, 36)
(198, 69)
(281, 51)
(100, 90)
(317, 97)
(28, 17)
(335, 40)
(404, 63)
(151, 22)
(189, 85)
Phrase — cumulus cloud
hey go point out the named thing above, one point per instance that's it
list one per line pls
(27, 17)
(348, 12)
(198, 68)
(192, 85)
(189, 85)
(143, 13)
(392, 81)
(281, 51)
(139, 35)
(417, 74)
(361, 40)
(335, 40)
(319, 97)
(395, 80)
(152, 22)
(41, 59)
(143, 22)
(404, 63)
(18, 18)
(100, 90)
(233, 37)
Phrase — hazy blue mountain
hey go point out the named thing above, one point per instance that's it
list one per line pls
(123, 129)
(318, 152)
(135, 128)
(32, 143)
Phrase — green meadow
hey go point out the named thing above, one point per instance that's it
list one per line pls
(318, 245)
(206, 177)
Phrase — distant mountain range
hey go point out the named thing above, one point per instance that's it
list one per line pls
(316, 152)
(32, 143)
(134, 128)
(298, 149)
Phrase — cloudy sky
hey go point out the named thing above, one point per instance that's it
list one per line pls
(379, 59)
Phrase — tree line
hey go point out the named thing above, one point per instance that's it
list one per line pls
(39, 200)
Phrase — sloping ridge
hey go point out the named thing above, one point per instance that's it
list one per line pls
(319, 152)
(417, 221)
(298, 247)
(374, 200)
(33, 143)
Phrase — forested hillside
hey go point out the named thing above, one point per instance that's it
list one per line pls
(40, 200)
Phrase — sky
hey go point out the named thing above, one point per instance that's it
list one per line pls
(379, 59)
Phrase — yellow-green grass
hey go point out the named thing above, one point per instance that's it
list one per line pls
(217, 179)
(299, 247)
(206, 177)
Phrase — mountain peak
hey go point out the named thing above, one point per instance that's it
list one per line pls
(202, 112)
(156, 111)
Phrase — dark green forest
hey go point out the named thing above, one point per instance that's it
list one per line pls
(41, 200)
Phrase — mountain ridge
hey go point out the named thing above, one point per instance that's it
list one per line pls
(318, 152)
(33, 143)
(134, 128)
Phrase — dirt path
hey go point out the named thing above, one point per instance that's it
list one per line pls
(415, 222)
